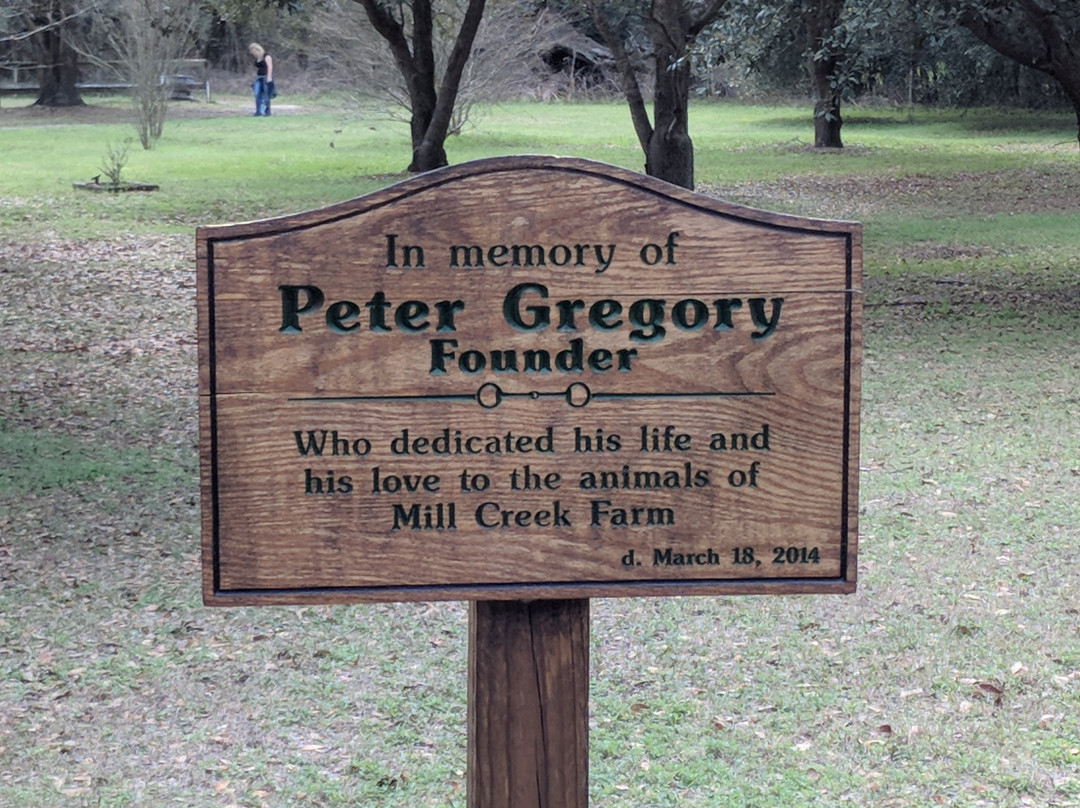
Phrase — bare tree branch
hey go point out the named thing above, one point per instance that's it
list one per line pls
(706, 17)
(49, 26)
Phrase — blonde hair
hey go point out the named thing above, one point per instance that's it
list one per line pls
(256, 50)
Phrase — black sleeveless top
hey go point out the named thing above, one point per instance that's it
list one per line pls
(260, 67)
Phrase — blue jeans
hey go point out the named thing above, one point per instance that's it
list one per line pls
(261, 88)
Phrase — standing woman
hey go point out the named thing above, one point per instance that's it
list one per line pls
(264, 78)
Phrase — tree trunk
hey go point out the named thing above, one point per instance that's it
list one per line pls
(428, 155)
(1066, 71)
(58, 80)
(432, 153)
(670, 154)
(1076, 107)
(672, 26)
(422, 100)
(432, 109)
(827, 119)
(1068, 77)
(422, 93)
(821, 19)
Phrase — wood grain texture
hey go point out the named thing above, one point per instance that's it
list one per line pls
(528, 704)
(504, 322)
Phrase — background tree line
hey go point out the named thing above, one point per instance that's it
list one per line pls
(436, 58)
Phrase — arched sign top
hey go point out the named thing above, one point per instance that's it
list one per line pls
(528, 377)
(507, 171)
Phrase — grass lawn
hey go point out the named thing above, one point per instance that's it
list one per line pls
(951, 678)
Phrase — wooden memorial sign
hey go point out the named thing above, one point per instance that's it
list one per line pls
(528, 378)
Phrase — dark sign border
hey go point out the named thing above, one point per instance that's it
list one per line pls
(208, 236)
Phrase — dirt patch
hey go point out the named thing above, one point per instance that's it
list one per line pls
(1031, 302)
(120, 112)
(922, 251)
(1035, 189)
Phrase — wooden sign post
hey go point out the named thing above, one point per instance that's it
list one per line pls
(526, 382)
(528, 740)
